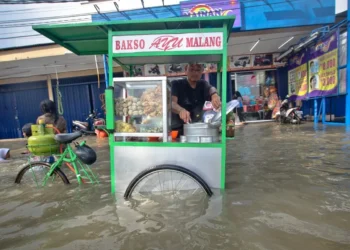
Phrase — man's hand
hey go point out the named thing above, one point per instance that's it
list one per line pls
(185, 116)
(215, 101)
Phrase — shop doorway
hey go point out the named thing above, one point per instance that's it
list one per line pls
(259, 92)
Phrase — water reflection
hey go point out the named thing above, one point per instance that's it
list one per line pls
(288, 187)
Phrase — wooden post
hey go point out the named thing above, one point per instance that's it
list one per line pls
(49, 88)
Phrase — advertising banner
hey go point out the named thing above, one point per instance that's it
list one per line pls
(200, 8)
(323, 68)
(297, 77)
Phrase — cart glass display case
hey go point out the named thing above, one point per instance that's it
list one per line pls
(142, 108)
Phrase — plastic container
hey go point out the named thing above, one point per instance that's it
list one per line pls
(174, 134)
(148, 128)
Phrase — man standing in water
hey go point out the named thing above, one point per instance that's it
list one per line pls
(189, 96)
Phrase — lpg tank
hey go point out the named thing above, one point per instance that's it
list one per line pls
(42, 142)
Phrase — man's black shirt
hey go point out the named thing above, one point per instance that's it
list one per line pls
(190, 99)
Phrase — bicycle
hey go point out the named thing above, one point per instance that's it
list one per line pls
(50, 172)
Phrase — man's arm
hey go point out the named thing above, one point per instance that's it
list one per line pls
(175, 107)
(211, 90)
(213, 95)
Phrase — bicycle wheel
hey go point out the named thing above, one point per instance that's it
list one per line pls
(34, 174)
(167, 182)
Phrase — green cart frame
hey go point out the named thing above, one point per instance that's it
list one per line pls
(208, 160)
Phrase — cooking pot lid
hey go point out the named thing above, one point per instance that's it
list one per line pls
(229, 107)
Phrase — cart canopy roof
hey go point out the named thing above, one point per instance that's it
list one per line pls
(92, 38)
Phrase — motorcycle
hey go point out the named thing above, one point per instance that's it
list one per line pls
(288, 115)
(176, 68)
(154, 70)
(84, 127)
(137, 71)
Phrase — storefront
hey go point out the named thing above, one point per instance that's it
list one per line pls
(262, 30)
(259, 93)
(317, 74)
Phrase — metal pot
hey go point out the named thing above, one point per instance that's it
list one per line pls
(201, 132)
(216, 120)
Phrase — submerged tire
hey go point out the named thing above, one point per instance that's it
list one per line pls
(133, 184)
(58, 172)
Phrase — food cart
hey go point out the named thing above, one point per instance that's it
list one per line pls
(140, 107)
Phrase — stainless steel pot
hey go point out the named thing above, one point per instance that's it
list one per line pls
(201, 132)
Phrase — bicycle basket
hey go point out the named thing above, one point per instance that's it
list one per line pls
(86, 154)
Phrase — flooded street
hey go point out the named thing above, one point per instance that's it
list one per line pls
(287, 187)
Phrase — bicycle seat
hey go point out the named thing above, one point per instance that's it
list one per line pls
(68, 137)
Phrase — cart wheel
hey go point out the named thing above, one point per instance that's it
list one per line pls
(34, 173)
(167, 182)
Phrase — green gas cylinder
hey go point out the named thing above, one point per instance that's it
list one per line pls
(42, 142)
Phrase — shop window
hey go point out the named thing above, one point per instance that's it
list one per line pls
(259, 92)
(342, 81)
(343, 49)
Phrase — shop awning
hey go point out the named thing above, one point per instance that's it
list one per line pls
(92, 38)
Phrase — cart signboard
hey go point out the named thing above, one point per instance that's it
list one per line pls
(168, 42)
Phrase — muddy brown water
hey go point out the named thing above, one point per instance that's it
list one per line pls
(288, 187)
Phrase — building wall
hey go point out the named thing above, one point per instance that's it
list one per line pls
(19, 103)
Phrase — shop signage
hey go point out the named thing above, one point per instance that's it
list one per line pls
(323, 67)
(297, 77)
(168, 42)
(203, 8)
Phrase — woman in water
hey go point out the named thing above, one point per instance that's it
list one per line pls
(50, 116)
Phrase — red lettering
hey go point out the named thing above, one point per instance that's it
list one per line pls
(212, 41)
(218, 41)
(189, 42)
(136, 44)
(206, 42)
(117, 45)
(195, 44)
(130, 45)
(166, 43)
(142, 44)
(123, 45)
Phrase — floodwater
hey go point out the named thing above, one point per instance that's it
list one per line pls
(288, 187)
